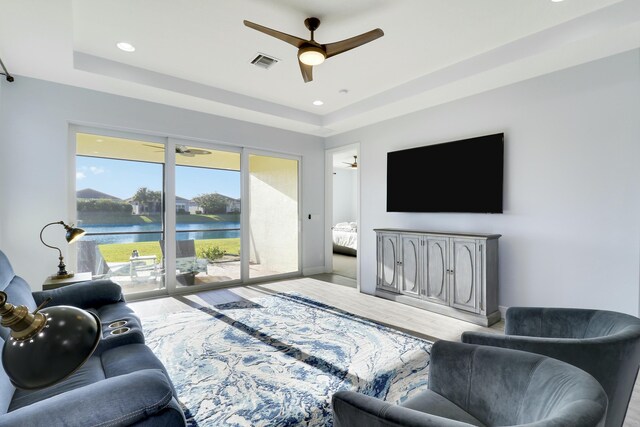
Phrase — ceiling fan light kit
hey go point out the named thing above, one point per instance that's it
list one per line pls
(312, 53)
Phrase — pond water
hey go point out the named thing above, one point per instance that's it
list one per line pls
(185, 232)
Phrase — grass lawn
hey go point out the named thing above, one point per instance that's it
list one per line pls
(120, 252)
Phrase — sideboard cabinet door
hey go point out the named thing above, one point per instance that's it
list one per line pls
(388, 258)
(410, 265)
(463, 277)
(436, 271)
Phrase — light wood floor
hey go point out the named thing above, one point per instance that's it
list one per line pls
(409, 319)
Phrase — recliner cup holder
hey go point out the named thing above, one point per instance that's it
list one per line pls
(120, 331)
(117, 324)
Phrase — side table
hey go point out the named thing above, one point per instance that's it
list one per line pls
(55, 284)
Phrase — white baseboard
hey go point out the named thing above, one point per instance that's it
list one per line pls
(503, 311)
(310, 271)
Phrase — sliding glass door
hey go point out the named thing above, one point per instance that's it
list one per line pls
(207, 206)
(274, 217)
(166, 216)
(119, 203)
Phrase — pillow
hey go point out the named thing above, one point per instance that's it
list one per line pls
(345, 226)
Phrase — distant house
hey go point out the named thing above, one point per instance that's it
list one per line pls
(147, 208)
(93, 202)
(233, 205)
(186, 205)
(90, 193)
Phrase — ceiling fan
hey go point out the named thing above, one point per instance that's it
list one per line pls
(354, 164)
(312, 53)
(183, 150)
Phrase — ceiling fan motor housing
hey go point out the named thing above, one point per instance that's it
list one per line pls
(312, 23)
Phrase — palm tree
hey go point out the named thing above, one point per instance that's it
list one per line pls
(148, 200)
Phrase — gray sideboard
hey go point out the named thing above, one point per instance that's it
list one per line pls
(454, 274)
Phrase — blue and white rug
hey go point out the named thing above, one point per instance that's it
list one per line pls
(277, 360)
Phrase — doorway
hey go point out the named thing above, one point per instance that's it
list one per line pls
(342, 247)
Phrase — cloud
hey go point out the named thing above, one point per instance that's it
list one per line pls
(96, 170)
(80, 175)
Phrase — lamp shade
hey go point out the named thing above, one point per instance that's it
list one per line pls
(71, 236)
(74, 234)
(46, 346)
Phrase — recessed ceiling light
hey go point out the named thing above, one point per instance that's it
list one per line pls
(317, 102)
(127, 47)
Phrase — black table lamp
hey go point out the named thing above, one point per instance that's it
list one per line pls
(72, 235)
(48, 345)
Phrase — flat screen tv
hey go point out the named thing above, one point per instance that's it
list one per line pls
(458, 176)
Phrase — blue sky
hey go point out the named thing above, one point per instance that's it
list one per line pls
(122, 178)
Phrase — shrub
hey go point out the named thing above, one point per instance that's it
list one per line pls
(212, 253)
(103, 205)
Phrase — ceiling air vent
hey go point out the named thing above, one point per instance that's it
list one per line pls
(264, 61)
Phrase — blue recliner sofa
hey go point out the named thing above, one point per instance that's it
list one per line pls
(122, 384)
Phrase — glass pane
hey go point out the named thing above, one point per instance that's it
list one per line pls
(273, 191)
(207, 216)
(119, 203)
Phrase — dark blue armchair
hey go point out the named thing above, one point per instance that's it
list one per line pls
(606, 344)
(472, 385)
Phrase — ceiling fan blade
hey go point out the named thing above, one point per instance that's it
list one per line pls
(198, 151)
(307, 71)
(292, 40)
(333, 49)
(155, 146)
(185, 153)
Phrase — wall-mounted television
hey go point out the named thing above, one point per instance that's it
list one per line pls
(457, 176)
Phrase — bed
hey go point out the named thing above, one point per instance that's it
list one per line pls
(345, 238)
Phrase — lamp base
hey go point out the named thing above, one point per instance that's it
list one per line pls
(61, 276)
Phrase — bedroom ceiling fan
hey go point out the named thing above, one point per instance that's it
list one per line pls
(353, 164)
(312, 53)
(183, 150)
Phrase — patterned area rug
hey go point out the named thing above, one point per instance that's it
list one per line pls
(276, 360)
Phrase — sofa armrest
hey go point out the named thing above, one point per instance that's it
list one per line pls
(91, 294)
(115, 401)
(355, 409)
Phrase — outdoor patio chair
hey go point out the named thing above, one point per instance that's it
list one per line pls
(90, 259)
(187, 265)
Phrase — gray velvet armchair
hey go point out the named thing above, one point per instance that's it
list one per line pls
(605, 344)
(472, 385)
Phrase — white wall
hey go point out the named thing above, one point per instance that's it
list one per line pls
(3, 82)
(571, 226)
(34, 160)
(345, 195)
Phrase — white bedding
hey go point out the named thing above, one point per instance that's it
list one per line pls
(345, 234)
